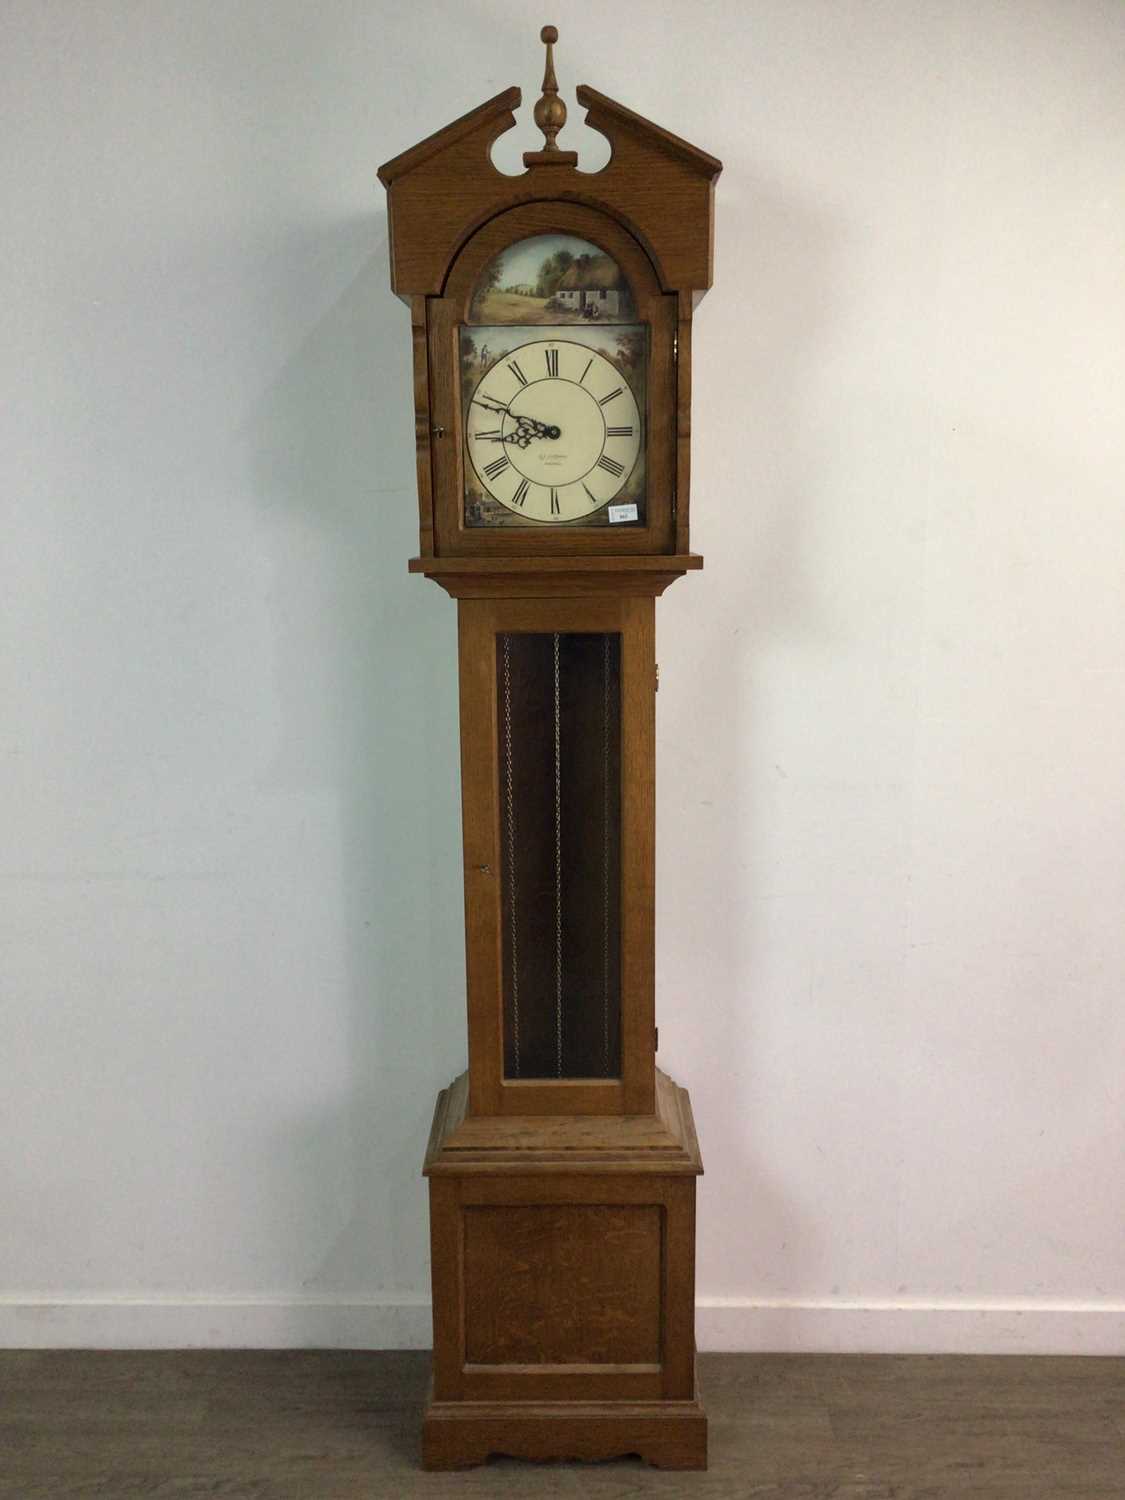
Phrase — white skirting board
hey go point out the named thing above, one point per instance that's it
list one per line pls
(728, 1324)
(214, 1323)
(834, 1327)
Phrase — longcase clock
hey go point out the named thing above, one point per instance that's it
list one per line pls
(551, 316)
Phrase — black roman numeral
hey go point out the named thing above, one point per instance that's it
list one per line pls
(521, 494)
(553, 363)
(585, 372)
(493, 432)
(590, 492)
(611, 466)
(619, 432)
(554, 501)
(497, 466)
(517, 372)
(605, 400)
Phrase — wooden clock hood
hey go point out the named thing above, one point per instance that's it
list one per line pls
(656, 185)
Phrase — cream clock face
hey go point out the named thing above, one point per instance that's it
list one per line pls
(553, 431)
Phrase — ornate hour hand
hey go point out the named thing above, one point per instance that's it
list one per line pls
(537, 429)
(520, 438)
(526, 428)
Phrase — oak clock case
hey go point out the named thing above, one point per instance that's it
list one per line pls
(551, 319)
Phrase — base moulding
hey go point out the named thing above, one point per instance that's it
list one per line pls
(666, 1434)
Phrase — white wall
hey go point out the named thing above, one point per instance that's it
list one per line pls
(892, 717)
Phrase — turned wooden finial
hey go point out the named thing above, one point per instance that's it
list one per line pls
(550, 112)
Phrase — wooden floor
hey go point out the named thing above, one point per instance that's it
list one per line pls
(340, 1426)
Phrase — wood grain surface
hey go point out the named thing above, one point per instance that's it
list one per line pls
(555, 577)
(562, 1284)
(444, 188)
(664, 1142)
(308, 1425)
(526, 1307)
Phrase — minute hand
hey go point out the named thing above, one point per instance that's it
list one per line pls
(491, 406)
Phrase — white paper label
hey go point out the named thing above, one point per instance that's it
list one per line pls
(622, 513)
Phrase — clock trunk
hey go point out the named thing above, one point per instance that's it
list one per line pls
(557, 743)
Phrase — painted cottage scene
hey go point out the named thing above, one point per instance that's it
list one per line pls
(552, 278)
(592, 287)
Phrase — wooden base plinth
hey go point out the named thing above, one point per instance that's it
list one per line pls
(666, 1434)
(563, 1256)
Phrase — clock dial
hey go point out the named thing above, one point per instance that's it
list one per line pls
(553, 430)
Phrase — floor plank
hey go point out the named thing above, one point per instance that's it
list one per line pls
(311, 1425)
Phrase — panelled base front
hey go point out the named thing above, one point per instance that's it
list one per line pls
(564, 1287)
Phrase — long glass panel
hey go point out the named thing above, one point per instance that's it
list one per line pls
(559, 698)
